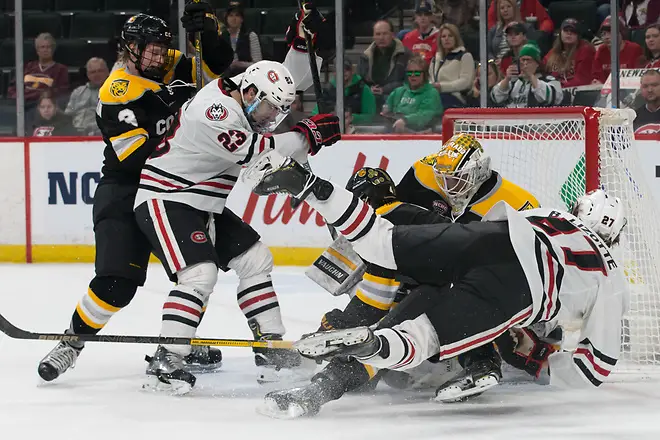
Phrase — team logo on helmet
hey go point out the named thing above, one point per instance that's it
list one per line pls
(273, 76)
(217, 112)
(119, 87)
(132, 19)
(198, 237)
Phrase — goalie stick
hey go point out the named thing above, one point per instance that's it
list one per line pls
(17, 333)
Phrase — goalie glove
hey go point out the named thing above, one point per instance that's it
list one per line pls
(522, 348)
(320, 130)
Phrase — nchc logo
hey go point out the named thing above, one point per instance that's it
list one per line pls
(71, 187)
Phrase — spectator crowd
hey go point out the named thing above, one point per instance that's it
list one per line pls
(541, 53)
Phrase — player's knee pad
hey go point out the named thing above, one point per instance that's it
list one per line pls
(201, 277)
(114, 291)
(256, 261)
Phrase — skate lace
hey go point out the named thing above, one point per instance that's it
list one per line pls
(62, 357)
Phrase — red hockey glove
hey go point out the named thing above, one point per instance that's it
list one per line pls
(522, 348)
(321, 131)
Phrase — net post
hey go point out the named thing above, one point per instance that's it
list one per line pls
(591, 148)
(447, 128)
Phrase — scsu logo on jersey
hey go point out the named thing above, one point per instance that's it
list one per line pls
(272, 76)
(198, 237)
(217, 112)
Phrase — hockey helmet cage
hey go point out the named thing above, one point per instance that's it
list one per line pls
(460, 167)
(373, 186)
(141, 30)
(275, 92)
(601, 213)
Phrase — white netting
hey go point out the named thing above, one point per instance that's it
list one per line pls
(545, 154)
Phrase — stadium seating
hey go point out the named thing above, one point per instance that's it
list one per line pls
(275, 21)
(7, 54)
(30, 5)
(93, 25)
(7, 117)
(6, 26)
(73, 6)
(584, 11)
(127, 7)
(35, 23)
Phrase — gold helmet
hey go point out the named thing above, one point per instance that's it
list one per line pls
(460, 167)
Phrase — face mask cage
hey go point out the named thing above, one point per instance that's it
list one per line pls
(152, 64)
(264, 116)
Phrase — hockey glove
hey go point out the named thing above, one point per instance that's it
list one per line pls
(199, 17)
(320, 130)
(522, 348)
(306, 20)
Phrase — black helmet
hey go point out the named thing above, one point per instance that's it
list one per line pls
(373, 185)
(143, 29)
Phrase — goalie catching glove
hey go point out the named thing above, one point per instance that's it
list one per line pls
(522, 348)
(320, 130)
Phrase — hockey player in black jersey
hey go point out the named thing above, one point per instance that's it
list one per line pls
(137, 104)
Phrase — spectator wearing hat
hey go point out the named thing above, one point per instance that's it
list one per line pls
(516, 39)
(638, 14)
(631, 55)
(423, 41)
(652, 49)
(507, 14)
(383, 64)
(529, 87)
(415, 106)
(245, 43)
(531, 11)
(451, 70)
(359, 101)
(571, 58)
(648, 116)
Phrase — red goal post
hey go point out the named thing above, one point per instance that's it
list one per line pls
(558, 154)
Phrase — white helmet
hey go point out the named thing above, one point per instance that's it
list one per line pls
(603, 214)
(275, 92)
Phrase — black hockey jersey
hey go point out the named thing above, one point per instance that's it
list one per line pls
(134, 113)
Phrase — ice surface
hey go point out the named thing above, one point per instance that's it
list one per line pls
(101, 398)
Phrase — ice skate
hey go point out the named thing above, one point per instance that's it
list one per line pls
(276, 364)
(202, 359)
(294, 402)
(166, 372)
(477, 376)
(359, 342)
(58, 360)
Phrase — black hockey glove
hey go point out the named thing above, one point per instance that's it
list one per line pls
(309, 20)
(332, 320)
(522, 348)
(320, 130)
(199, 17)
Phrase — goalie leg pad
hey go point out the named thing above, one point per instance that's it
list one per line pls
(339, 269)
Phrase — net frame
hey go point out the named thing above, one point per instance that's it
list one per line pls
(608, 162)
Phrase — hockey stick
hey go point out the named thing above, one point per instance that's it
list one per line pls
(199, 71)
(16, 333)
(318, 94)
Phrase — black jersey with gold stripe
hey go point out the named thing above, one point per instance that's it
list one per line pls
(134, 113)
(420, 187)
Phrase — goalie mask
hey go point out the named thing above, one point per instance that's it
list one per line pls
(274, 90)
(373, 186)
(603, 214)
(460, 167)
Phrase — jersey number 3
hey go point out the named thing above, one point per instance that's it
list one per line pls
(232, 140)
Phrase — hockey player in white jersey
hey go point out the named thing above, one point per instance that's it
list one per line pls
(511, 270)
(180, 207)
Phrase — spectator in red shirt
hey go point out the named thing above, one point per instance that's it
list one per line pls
(507, 14)
(652, 49)
(423, 41)
(631, 55)
(44, 74)
(531, 11)
(571, 58)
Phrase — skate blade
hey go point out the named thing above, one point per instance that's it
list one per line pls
(454, 393)
(325, 343)
(270, 408)
(202, 368)
(174, 388)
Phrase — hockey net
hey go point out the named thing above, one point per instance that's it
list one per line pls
(560, 153)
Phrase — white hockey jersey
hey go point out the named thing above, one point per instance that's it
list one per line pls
(575, 281)
(199, 164)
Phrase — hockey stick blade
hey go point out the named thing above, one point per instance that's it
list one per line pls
(17, 333)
